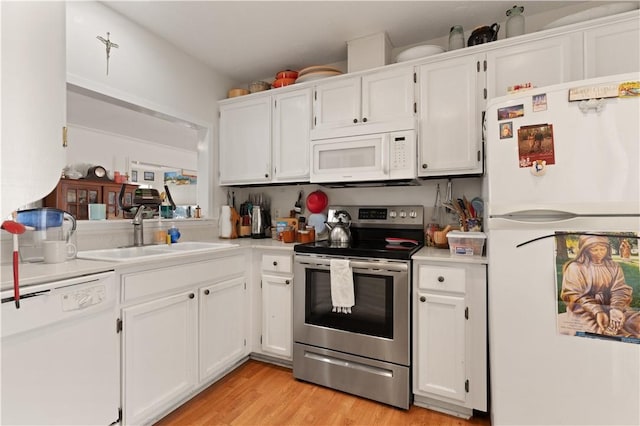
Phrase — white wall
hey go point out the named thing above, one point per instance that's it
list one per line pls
(147, 71)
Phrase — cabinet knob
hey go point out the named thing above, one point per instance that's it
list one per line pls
(275, 263)
(424, 166)
(287, 282)
(423, 299)
(364, 120)
(355, 120)
(440, 279)
(206, 292)
(266, 175)
(191, 295)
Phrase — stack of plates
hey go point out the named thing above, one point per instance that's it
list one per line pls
(316, 72)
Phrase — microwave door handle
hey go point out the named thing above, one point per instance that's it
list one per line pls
(386, 148)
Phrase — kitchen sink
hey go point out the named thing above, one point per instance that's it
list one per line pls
(126, 254)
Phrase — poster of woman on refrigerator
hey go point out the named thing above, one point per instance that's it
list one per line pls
(598, 285)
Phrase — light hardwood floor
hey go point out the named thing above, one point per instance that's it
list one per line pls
(257, 393)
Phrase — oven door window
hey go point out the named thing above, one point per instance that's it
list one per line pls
(372, 313)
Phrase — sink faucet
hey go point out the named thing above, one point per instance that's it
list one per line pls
(138, 234)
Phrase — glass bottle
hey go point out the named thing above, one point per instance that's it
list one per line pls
(515, 21)
(456, 37)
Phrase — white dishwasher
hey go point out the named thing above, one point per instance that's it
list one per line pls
(60, 353)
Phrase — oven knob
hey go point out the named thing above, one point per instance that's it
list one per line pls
(403, 214)
(392, 213)
(413, 214)
(423, 299)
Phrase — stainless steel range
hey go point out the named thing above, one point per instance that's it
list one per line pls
(367, 351)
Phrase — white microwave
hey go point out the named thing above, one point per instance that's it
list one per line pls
(375, 157)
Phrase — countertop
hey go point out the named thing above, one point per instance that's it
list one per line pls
(37, 273)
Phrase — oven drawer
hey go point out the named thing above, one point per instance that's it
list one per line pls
(280, 263)
(441, 278)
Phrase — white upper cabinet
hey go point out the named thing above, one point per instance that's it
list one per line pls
(245, 141)
(450, 138)
(380, 101)
(540, 62)
(291, 127)
(33, 101)
(612, 49)
(265, 139)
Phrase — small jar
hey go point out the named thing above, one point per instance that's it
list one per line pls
(456, 37)
(515, 21)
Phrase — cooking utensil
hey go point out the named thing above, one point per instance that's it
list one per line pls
(340, 234)
(287, 74)
(484, 34)
(435, 217)
(15, 229)
(232, 93)
(317, 201)
(281, 82)
(298, 205)
(259, 86)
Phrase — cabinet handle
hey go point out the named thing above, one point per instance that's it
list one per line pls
(423, 299)
(287, 282)
(191, 295)
(206, 292)
(275, 263)
(364, 120)
(440, 279)
(355, 120)
(424, 166)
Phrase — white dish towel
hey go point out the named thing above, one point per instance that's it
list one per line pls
(342, 295)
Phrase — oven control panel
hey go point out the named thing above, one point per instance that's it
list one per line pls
(387, 216)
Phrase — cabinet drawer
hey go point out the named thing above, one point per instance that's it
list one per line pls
(282, 263)
(441, 278)
(156, 281)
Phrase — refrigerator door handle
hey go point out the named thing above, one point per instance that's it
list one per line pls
(536, 216)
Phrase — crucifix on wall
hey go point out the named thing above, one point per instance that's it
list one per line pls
(108, 44)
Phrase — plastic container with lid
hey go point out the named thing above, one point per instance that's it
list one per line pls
(466, 243)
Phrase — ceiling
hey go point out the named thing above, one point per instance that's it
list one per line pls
(251, 40)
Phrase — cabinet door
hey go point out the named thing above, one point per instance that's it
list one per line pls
(291, 140)
(543, 62)
(159, 355)
(222, 326)
(612, 49)
(337, 104)
(441, 345)
(387, 96)
(245, 141)
(33, 101)
(450, 137)
(277, 307)
(77, 196)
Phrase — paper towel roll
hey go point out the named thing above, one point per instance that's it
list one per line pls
(224, 223)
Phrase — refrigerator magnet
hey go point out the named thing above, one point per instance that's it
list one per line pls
(513, 111)
(535, 143)
(538, 167)
(506, 130)
(539, 102)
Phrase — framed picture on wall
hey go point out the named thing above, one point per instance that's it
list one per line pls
(149, 176)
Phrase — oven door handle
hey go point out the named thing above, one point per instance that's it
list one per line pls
(356, 264)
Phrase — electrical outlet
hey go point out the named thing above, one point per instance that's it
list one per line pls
(277, 213)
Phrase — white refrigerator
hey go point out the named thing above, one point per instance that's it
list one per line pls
(562, 190)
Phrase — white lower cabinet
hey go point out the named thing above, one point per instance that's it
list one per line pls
(222, 325)
(449, 337)
(183, 326)
(277, 305)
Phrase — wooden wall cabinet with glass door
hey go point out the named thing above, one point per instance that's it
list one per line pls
(74, 196)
